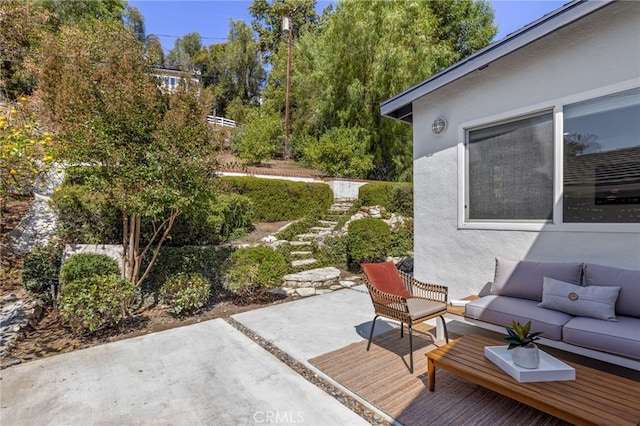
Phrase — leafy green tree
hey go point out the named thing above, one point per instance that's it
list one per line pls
(184, 52)
(366, 52)
(233, 70)
(260, 137)
(152, 150)
(267, 22)
(341, 152)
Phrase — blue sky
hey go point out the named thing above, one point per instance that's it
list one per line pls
(170, 19)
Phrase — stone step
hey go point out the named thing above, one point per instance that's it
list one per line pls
(328, 223)
(301, 253)
(321, 230)
(303, 262)
(306, 236)
(300, 243)
(313, 278)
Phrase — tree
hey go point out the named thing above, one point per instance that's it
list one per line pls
(154, 52)
(260, 137)
(233, 70)
(184, 51)
(341, 152)
(26, 152)
(366, 52)
(21, 26)
(150, 151)
(267, 22)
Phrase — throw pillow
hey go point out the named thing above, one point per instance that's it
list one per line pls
(386, 278)
(590, 301)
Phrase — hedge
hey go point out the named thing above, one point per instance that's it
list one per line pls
(277, 199)
(396, 197)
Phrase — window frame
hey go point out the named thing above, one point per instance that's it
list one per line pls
(556, 224)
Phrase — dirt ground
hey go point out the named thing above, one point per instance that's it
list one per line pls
(50, 337)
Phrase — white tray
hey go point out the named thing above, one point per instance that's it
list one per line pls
(549, 370)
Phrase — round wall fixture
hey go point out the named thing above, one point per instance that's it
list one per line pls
(439, 126)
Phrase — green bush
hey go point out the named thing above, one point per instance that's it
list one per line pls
(393, 196)
(215, 220)
(206, 261)
(259, 138)
(250, 269)
(40, 270)
(340, 152)
(367, 241)
(277, 199)
(402, 240)
(95, 302)
(85, 265)
(185, 293)
(85, 217)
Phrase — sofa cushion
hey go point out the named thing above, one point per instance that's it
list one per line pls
(620, 338)
(592, 301)
(523, 279)
(502, 310)
(628, 280)
(385, 277)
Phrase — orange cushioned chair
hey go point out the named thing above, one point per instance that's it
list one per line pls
(397, 296)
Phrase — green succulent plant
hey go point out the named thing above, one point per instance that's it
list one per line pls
(519, 335)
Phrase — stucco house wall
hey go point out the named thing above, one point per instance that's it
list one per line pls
(598, 52)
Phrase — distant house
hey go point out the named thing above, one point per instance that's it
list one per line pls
(530, 148)
(170, 78)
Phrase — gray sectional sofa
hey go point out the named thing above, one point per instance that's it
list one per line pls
(590, 309)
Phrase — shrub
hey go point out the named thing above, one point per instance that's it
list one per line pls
(259, 138)
(277, 199)
(340, 152)
(393, 196)
(84, 216)
(367, 241)
(185, 293)
(85, 265)
(206, 261)
(215, 220)
(95, 302)
(402, 240)
(253, 268)
(40, 270)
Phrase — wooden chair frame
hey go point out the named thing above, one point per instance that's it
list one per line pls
(395, 307)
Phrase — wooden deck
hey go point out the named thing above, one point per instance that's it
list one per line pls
(594, 398)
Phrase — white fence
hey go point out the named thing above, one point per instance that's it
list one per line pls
(221, 121)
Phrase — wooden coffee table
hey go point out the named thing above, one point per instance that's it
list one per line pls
(594, 398)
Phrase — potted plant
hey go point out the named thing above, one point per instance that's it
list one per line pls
(524, 352)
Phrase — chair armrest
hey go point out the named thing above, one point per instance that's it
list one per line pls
(435, 292)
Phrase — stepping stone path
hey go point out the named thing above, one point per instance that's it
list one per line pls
(317, 280)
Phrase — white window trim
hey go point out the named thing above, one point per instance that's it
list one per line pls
(556, 223)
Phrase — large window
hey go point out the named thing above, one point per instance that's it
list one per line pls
(602, 159)
(510, 171)
(575, 166)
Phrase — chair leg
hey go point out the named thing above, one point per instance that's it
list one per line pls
(373, 325)
(401, 330)
(444, 326)
(410, 350)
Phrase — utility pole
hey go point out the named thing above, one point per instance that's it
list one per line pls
(287, 25)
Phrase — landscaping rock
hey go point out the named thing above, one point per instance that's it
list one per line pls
(319, 277)
(303, 262)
